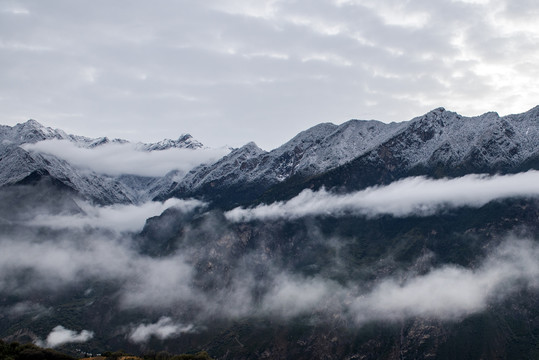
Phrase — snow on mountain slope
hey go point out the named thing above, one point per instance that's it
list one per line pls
(438, 139)
(237, 167)
(438, 143)
(185, 141)
(32, 131)
(443, 137)
(313, 151)
(17, 162)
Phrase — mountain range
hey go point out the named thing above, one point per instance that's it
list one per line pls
(353, 155)
(364, 240)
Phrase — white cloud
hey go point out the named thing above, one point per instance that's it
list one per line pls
(452, 292)
(118, 159)
(410, 196)
(447, 293)
(159, 283)
(162, 329)
(116, 217)
(293, 295)
(60, 335)
(206, 55)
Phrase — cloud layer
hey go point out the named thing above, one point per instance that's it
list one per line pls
(163, 284)
(118, 159)
(218, 272)
(117, 217)
(448, 292)
(230, 71)
(451, 292)
(417, 196)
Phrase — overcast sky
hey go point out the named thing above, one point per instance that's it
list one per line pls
(232, 71)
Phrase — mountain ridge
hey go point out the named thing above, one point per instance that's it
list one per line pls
(16, 163)
(441, 278)
(355, 154)
(438, 143)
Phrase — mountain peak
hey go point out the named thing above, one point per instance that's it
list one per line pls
(185, 137)
(185, 141)
(438, 110)
(32, 123)
(251, 145)
(32, 131)
(250, 148)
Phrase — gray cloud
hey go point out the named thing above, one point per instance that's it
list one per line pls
(117, 217)
(206, 278)
(163, 284)
(162, 329)
(27, 308)
(60, 335)
(232, 72)
(447, 293)
(452, 292)
(118, 159)
(410, 196)
(60, 262)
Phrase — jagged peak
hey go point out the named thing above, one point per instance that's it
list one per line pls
(324, 128)
(318, 131)
(438, 110)
(184, 141)
(353, 123)
(32, 131)
(32, 123)
(436, 113)
(185, 137)
(99, 141)
(251, 145)
(490, 114)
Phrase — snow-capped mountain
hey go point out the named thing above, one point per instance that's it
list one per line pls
(311, 152)
(322, 279)
(352, 155)
(17, 163)
(363, 153)
(487, 141)
(185, 141)
(32, 132)
(443, 143)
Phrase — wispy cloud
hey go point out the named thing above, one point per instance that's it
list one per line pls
(212, 275)
(24, 308)
(116, 217)
(412, 196)
(451, 292)
(447, 293)
(118, 159)
(162, 329)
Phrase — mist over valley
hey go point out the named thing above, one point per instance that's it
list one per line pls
(363, 240)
